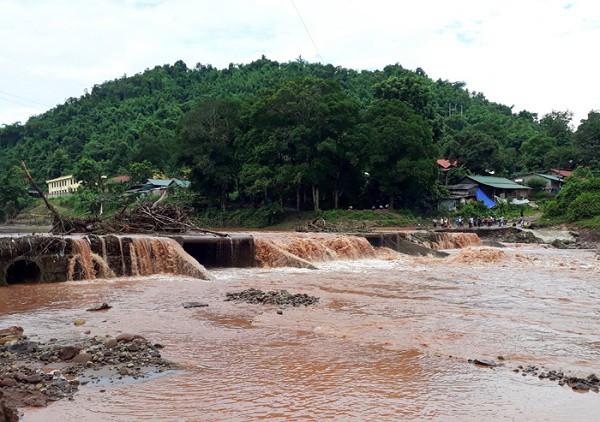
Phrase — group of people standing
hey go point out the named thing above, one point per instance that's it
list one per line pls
(489, 221)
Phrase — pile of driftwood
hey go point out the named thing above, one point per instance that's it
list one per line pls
(319, 225)
(143, 218)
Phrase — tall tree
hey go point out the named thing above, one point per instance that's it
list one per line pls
(89, 173)
(413, 89)
(557, 125)
(476, 150)
(206, 138)
(400, 149)
(587, 140)
(299, 135)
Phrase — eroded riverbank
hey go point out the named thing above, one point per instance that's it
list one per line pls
(376, 345)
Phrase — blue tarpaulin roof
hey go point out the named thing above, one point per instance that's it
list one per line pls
(483, 197)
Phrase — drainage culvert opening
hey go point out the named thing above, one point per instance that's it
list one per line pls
(23, 271)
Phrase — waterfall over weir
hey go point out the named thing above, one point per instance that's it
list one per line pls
(303, 250)
(130, 256)
(50, 259)
(86, 265)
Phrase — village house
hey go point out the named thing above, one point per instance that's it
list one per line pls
(158, 186)
(459, 194)
(445, 166)
(120, 179)
(62, 186)
(562, 174)
(499, 187)
(552, 184)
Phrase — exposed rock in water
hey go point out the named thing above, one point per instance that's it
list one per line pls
(590, 383)
(576, 244)
(485, 362)
(8, 413)
(278, 297)
(127, 337)
(187, 305)
(68, 352)
(520, 237)
(10, 334)
(492, 243)
(102, 307)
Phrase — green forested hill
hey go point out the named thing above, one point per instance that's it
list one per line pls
(137, 118)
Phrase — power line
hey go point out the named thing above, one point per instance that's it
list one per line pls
(307, 31)
(20, 103)
(29, 67)
(26, 99)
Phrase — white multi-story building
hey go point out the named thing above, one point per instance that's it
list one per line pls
(62, 186)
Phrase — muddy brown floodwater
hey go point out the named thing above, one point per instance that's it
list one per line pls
(389, 339)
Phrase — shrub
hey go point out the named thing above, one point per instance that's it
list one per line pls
(571, 193)
(537, 184)
(552, 209)
(473, 209)
(586, 205)
(249, 217)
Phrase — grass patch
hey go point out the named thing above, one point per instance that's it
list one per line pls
(379, 218)
(255, 218)
(592, 223)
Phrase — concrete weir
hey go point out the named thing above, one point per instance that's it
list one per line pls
(51, 259)
(234, 250)
(400, 242)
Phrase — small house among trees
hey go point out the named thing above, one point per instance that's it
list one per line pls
(158, 186)
(500, 187)
(540, 181)
(558, 173)
(459, 194)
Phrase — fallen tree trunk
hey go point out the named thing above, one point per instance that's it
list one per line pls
(152, 219)
(58, 220)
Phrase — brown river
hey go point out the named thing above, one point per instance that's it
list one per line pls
(389, 339)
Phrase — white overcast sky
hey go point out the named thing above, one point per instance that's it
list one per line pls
(537, 55)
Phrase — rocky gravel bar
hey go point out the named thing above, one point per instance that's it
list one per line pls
(34, 373)
(589, 383)
(276, 297)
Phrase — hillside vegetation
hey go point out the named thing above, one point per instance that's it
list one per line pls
(297, 134)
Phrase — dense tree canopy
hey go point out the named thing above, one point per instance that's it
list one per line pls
(206, 139)
(299, 138)
(299, 134)
(400, 150)
(587, 140)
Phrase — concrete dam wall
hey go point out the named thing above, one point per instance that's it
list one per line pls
(51, 259)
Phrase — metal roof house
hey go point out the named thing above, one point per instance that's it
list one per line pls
(158, 185)
(445, 165)
(498, 186)
(558, 173)
(459, 194)
(552, 184)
